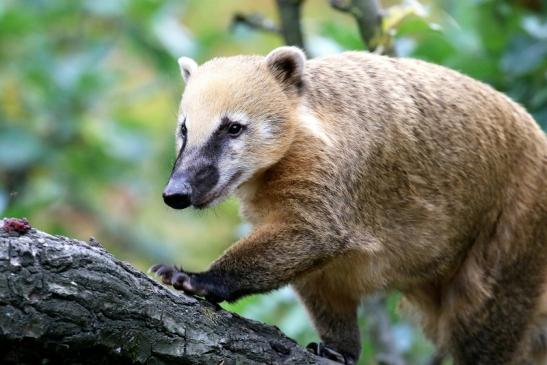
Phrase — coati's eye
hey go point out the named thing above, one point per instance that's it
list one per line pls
(183, 130)
(235, 129)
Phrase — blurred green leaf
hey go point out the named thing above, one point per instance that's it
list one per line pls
(18, 148)
(524, 56)
(348, 38)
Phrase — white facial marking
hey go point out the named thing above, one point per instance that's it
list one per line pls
(312, 124)
(239, 117)
(265, 130)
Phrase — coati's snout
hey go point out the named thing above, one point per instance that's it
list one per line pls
(190, 186)
(177, 194)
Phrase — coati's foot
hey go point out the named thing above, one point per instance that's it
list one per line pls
(320, 349)
(172, 275)
(190, 283)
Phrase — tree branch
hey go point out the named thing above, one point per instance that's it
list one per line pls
(256, 21)
(63, 301)
(367, 14)
(291, 28)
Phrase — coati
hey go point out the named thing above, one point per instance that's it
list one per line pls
(360, 173)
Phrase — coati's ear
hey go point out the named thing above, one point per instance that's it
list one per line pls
(287, 65)
(187, 67)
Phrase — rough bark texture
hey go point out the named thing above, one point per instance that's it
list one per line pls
(70, 302)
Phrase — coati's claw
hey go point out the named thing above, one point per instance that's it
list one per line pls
(320, 349)
(181, 281)
(201, 284)
(166, 272)
(178, 278)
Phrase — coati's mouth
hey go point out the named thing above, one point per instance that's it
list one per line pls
(214, 195)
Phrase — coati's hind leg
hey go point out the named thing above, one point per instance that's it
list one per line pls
(494, 301)
(334, 314)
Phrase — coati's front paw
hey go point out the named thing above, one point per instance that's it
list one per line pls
(178, 278)
(190, 283)
(320, 349)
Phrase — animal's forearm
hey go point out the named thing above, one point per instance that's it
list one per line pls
(265, 260)
(271, 257)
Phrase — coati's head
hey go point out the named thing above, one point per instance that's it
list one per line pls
(236, 119)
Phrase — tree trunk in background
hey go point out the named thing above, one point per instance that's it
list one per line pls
(64, 301)
(367, 15)
(291, 28)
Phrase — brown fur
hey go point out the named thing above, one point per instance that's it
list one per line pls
(432, 183)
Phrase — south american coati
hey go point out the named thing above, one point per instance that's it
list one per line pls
(361, 173)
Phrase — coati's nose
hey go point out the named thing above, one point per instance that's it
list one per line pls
(177, 194)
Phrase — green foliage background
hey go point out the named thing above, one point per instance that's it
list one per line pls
(88, 99)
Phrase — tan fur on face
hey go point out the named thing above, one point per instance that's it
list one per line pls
(220, 87)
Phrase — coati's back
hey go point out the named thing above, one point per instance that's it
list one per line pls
(420, 137)
(438, 121)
